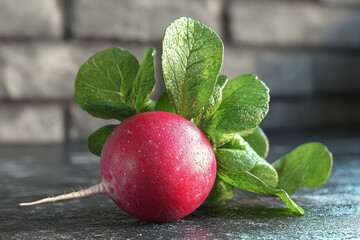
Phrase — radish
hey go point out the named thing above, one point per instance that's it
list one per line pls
(156, 166)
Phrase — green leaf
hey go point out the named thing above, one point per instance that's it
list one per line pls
(309, 165)
(238, 155)
(164, 104)
(144, 82)
(191, 61)
(245, 103)
(104, 84)
(221, 191)
(259, 142)
(98, 138)
(249, 182)
(148, 106)
(266, 172)
(239, 165)
(215, 99)
(221, 81)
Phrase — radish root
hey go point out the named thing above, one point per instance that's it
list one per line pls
(93, 190)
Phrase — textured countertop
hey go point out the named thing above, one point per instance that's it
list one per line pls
(30, 172)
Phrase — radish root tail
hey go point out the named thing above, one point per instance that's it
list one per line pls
(93, 190)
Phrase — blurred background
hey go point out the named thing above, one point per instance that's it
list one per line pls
(306, 51)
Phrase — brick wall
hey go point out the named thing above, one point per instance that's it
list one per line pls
(307, 52)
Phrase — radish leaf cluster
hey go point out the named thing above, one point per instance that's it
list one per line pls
(113, 85)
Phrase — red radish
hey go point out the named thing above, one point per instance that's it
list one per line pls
(156, 166)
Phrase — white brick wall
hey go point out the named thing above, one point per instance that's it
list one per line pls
(310, 113)
(81, 126)
(31, 19)
(31, 123)
(43, 70)
(39, 70)
(293, 23)
(286, 73)
(337, 72)
(2, 87)
(307, 52)
(141, 20)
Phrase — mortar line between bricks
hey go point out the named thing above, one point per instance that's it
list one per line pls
(36, 102)
(67, 6)
(226, 21)
(300, 97)
(342, 5)
(317, 97)
(312, 70)
(328, 49)
(157, 44)
(67, 122)
(76, 40)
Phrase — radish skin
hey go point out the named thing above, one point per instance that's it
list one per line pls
(156, 166)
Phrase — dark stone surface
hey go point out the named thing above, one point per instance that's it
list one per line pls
(31, 172)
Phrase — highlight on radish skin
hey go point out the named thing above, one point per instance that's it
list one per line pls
(156, 166)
